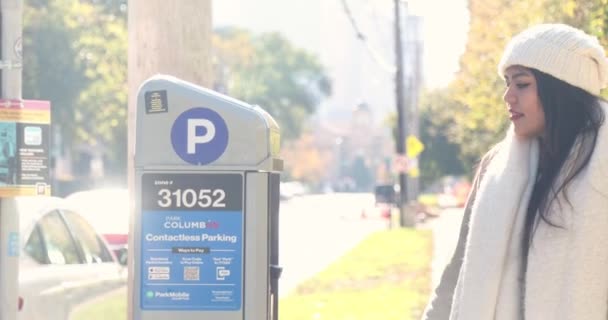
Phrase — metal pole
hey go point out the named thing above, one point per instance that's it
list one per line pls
(10, 68)
(275, 269)
(405, 218)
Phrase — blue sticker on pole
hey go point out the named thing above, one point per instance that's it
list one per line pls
(13, 244)
(192, 241)
(199, 136)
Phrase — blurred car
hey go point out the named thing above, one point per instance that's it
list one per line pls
(378, 211)
(64, 263)
(108, 211)
(385, 194)
(290, 189)
(447, 192)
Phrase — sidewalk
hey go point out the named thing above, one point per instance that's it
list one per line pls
(446, 228)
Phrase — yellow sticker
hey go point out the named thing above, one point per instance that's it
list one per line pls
(275, 142)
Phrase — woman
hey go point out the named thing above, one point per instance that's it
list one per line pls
(534, 238)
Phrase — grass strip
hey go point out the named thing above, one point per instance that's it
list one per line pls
(386, 277)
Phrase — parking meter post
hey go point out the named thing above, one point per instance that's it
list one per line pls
(275, 269)
(205, 231)
(10, 88)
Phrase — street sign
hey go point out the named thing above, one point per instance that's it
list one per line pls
(414, 146)
(24, 147)
(400, 163)
(403, 164)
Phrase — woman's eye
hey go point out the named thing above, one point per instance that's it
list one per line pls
(522, 85)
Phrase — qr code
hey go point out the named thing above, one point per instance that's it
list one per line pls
(192, 273)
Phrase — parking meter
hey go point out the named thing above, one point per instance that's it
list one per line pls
(205, 232)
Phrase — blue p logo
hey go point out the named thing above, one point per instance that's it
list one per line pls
(199, 136)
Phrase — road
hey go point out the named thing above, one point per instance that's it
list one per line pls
(315, 230)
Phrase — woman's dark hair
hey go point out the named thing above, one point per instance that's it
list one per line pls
(571, 115)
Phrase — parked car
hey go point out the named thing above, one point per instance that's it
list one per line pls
(447, 192)
(290, 189)
(64, 263)
(108, 211)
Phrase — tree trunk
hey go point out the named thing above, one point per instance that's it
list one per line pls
(166, 37)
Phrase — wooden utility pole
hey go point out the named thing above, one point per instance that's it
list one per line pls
(166, 37)
(414, 42)
(406, 218)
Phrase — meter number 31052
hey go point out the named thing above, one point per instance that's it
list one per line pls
(190, 198)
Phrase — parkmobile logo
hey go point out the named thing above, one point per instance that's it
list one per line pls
(180, 295)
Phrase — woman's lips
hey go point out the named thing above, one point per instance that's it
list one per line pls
(515, 115)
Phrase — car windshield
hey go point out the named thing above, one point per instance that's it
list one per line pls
(107, 210)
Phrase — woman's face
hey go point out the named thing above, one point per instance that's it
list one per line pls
(523, 103)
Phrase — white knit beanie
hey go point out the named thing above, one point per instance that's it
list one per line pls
(562, 51)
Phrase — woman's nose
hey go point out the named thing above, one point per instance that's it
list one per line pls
(508, 96)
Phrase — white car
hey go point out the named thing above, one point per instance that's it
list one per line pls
(64, 264)
(108, 211)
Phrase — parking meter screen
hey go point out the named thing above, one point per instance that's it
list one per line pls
(192, 241)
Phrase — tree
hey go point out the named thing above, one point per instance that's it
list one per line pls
(117, 8)
(305, 161)
(440, 157)
(75, 55)
(269, 71)
(361, 174)
(589, 15)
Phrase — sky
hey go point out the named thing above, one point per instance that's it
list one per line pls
(305, 23)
